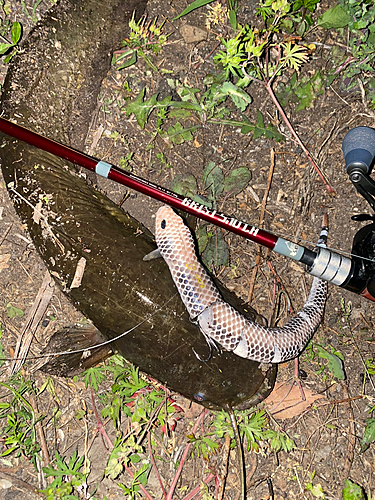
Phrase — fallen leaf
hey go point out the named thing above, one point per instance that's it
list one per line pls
(286, 402)
(196, 143)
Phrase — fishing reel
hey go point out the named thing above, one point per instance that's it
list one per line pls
(359, 151)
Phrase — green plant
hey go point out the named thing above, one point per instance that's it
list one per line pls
(353, 491)
(208, 106)
(356, 61)
(131, 395)
(212, 245)
(125, 162)
(368, 434)
(315, 489)
(232, 12)
(352, 60)
(19, 420)
(13, 311)
(140, 478)
(246, 57)
(202, 446)
(124, 452)
(33, 16)
(163, 160)
(254, 426)
(144, 39)
(68, 478)
(9, 48)
(333, 364)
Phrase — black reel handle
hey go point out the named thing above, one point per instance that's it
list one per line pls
(358, 147)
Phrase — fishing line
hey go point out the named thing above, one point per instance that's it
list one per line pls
(96, 346)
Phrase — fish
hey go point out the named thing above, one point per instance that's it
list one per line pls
(222, 323)
(52, 87)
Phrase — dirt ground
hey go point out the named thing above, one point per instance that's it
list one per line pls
(327, 433)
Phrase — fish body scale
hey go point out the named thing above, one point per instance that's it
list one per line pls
(219, 320)
(177, 247)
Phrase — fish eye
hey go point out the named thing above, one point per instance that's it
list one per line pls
(163, 224)
(199, 396)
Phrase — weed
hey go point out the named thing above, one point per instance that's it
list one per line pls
(208, 107)
(245, 58)
(68, 479)
(131, 395)
(125, 162)
(352, 61)
(202, 446)
(125, 452)
(211, 243)
(334, 360)
(18, 431)
(9, 47)
(140, 478)
(315, 489)
(217, 15)
(254, 426)
(144, 39)
(368, 434)
(163, 160)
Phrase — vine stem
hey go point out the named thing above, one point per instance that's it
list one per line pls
(198, 488)
(155, 466)
(185, 454)
(296, 137)
(268, 85)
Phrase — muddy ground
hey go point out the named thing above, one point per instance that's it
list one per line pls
(327, 433)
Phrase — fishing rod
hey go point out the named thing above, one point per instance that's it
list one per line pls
(354, 274)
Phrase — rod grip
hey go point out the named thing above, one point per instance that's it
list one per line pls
(358, 147)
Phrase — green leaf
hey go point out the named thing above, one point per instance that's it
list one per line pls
(178, 134)
(335, 364)
(308, 90)
(213, 179)
(94, 376)
(368, 435)
(202, 237)
(352, 491)
(195, 5)
(16, 32)
(270, 132)
(132, 60)
(336, 17)
(240, 98)
(233, 19)
(295, 55)
(14, 311)
(141, 109)
(216, 253)
(4, 47)
(184, 184)
(179, 113)
(237, 180)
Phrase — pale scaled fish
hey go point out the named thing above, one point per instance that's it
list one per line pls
(220, 321)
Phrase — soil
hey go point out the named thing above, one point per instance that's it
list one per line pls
(328, 432)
